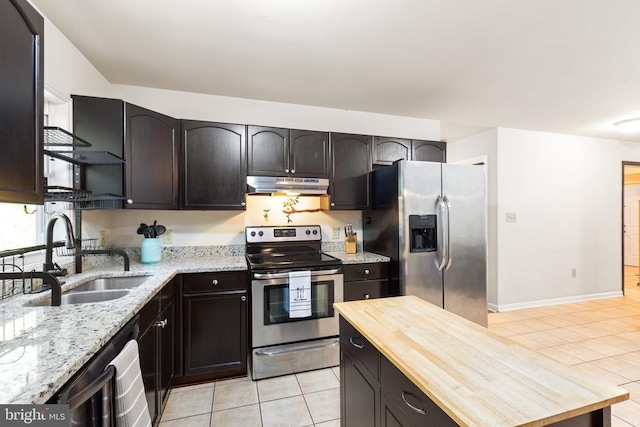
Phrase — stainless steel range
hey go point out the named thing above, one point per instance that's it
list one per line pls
(293, 288)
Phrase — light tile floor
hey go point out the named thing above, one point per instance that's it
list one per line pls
(600, 338)
(305, 399)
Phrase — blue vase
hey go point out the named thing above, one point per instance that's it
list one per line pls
(151, 250)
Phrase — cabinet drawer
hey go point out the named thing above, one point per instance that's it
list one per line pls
(352, 272)
(353, 343)
(214, 282)
(414, 403)
(365, 289)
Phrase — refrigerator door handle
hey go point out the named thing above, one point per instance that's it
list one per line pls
(447, 206)
(441, 213)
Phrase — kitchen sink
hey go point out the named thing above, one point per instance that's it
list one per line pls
(84, 297)
(109, 283)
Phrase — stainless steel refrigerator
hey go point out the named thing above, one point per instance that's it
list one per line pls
(429, 218)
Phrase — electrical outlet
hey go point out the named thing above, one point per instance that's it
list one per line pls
(511, 217)
(103, 239)
(335, 233)
(167, 237)
(574, 273)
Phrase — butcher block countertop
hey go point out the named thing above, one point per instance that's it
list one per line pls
(476, 377)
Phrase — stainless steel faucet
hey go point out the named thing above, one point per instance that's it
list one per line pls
(49, 266)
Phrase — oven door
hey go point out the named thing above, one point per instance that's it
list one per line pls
(271, 323)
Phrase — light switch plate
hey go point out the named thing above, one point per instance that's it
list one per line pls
(511, 217)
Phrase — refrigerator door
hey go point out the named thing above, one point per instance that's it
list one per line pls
(465, 283)
(420, 184)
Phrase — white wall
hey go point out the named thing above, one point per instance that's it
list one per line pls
(484, 147)
(566, 193)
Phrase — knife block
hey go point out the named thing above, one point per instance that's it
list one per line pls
(351, 244)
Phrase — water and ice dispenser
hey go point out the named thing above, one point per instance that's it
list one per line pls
(423, 232)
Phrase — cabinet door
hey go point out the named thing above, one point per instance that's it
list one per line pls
(358, 396)
(429, 151)
(267, 151)
(147, 349)
(309, 154)
(387, 150)
(350, 165)
(151, 155)
(167, 352)
(214, 165)
(215, 336)
(21, 103)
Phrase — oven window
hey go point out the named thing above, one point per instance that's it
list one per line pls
(276, 302)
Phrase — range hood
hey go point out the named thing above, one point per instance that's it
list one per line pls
(277, 185)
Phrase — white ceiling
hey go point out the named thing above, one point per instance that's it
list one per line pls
(566, 66)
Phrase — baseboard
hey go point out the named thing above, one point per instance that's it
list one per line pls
(552, 301)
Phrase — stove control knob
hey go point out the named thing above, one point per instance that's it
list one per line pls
(253, 234)
(308, 232)
(261, 233)
(315, 231)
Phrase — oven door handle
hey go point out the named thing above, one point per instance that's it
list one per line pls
(286, 275)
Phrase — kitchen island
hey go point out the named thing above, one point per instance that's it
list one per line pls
(405, 361)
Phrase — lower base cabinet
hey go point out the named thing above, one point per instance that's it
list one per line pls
(157, 348)
(373, 392)
(215, 311)
(365, 281)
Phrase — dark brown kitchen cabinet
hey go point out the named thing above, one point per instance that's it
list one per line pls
(350, 165)
(374, 392)
(157, 347)
(309, 154)
(215, 310)
(365, 281)
(21, 103)
(148, 142)
(429, 151)
(267, 151)
(214, 172)
(284, 152)
(387, 150)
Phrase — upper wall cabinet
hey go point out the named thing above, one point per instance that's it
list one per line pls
(350, 165)
(283, 152)
(21, 103)
(387, 150)
(214, 171)
(429, 151)
(148, 142)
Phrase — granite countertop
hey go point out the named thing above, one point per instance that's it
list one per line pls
(476, 377)
(42, 347)
(358, 257)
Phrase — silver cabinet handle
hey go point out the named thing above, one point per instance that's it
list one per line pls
(215, 282)
(404, 399)
(161, 323)
(129, 201)
(243, 204)
(293, 171)
(286, 171)
(356, 345)
(333, 204)
(367, 296)
(243, 298)
(366, 272)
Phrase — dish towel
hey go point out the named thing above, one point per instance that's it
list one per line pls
(299, 294)
(130, 402)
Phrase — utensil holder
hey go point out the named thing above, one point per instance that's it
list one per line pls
(151, 250)
(351, 243)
